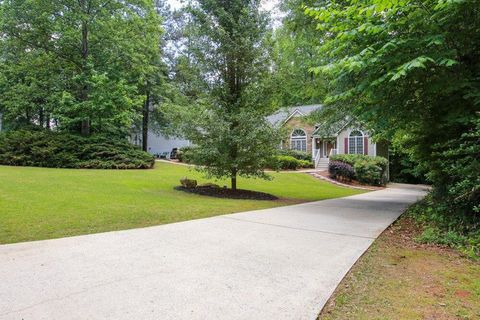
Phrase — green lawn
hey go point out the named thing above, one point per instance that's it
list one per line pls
(42, 203)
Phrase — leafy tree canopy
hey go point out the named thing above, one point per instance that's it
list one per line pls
(84, 65)
(410, 71)
(226, 120)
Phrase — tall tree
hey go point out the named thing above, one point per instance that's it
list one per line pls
(227, 122)
(295, 46)
(409, 70)
(99, 51)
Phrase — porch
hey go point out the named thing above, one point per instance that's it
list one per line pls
(322, 149)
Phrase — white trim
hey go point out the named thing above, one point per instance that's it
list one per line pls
(302, 139)
(292, 114)
(313, 148)
(344, 126)
(355, 144)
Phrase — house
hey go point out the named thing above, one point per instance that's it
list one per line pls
(301, 135)
(321, 142)
(159, 144)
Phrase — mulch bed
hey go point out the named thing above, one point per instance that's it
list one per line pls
(228, 193)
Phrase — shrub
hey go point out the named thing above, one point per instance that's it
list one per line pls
(442, 225)
(288, 163)
(184, 154)
(341, 170)
(368, 170)
(188, 183)
(306, 163)
(348, 158)
(300, 155)
(41, 148)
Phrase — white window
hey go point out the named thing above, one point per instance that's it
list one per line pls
(355, 142)
(298, 140)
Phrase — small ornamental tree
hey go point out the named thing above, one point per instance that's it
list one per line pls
(227, 123)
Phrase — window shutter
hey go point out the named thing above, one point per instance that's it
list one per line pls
(365, 145)
(346, 145)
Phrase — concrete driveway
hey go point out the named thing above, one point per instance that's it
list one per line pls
(281, 263)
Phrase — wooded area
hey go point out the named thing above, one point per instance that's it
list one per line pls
(212, 70)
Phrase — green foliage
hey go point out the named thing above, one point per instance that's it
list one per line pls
(409, 72)
(446, 227)
(306, 163)
(42, 148)
(226, 121)
(285, 162)
(294, 51)
(188, 183)
(403, 169)
(354, 158)
(368, 170)
(185, 154)
(297, 154)
(85, 66)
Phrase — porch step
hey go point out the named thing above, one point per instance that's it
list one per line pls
(322, 164)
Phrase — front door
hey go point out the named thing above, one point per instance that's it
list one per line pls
(330, 146)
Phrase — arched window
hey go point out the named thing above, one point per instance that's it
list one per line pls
(298, 140)
(355, 142)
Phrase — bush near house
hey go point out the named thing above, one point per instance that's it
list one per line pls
(300, 155)
(367, 170)
(42, 148)
(341, 170)
(281, 162)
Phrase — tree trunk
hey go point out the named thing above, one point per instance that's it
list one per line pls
(85, 128)
(145, 119)
(234, 179)
(40, 117)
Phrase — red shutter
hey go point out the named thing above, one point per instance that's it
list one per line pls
(346, 146)
(365, 145)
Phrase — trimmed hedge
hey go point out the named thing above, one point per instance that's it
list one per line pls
(44, 148)
(300, 155)
(367, 170)
(289, 163)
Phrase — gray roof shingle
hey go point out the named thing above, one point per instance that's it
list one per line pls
(282, 114)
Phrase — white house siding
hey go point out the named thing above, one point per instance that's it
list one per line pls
(345, 133)
(158, 143)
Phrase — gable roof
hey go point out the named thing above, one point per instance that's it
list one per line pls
(330, 130)
(285, 114)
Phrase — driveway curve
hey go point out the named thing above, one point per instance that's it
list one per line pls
(279, 263)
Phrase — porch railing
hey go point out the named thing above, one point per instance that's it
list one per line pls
(317, 158)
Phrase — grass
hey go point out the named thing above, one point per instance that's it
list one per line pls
(400, 279)
(42, 203)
